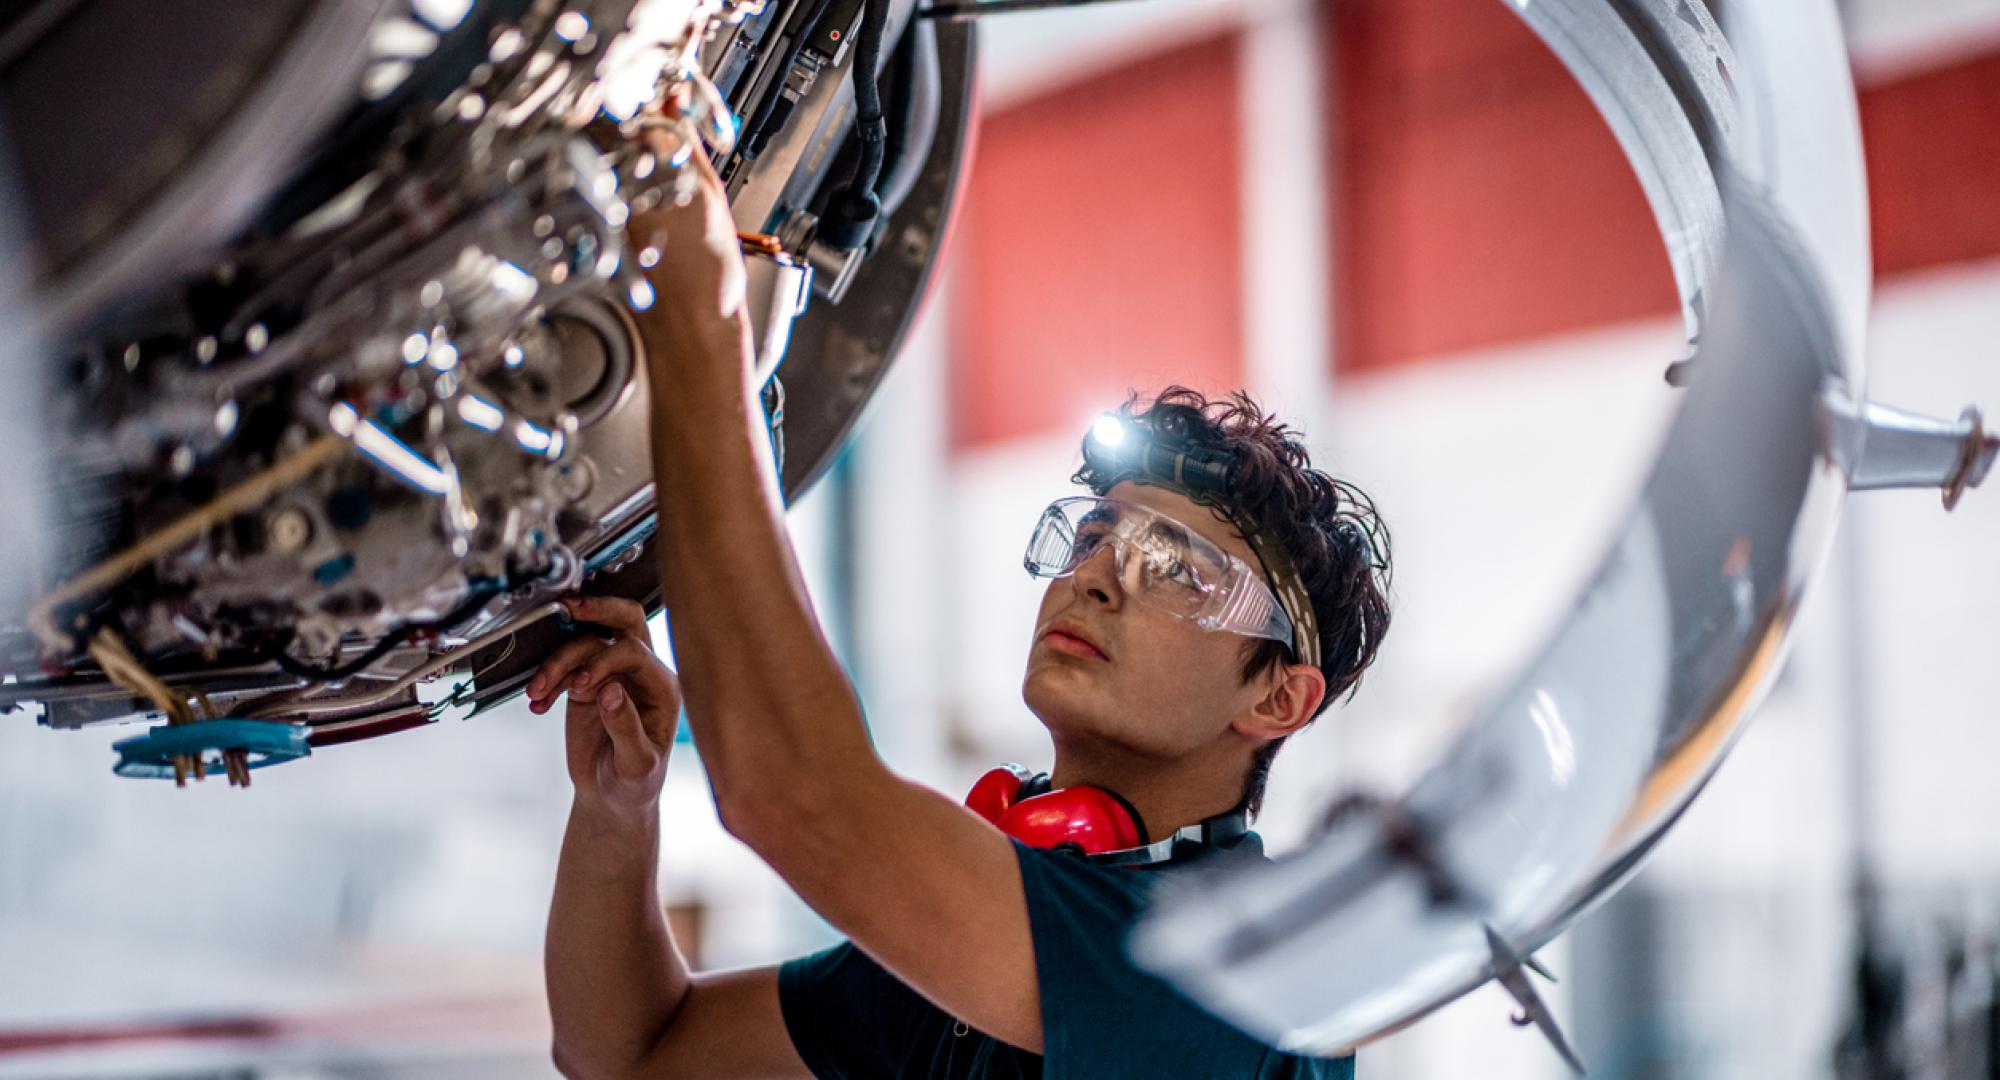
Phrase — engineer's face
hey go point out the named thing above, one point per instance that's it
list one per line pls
(1106, 668)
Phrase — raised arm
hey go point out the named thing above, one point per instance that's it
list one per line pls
(916, 881)
(621, 997)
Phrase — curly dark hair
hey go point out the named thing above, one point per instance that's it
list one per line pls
(1337, 541)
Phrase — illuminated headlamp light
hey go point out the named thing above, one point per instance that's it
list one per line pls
(1116, 446)
(1108, 431)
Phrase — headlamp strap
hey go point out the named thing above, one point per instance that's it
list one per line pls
(1283, 578)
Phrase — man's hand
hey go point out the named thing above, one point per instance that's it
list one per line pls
(624, 704)
(620, 995)
(698, 310)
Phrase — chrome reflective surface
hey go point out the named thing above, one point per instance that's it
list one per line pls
(329, 404)
(1746, 139)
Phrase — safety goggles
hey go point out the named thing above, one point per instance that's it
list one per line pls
(1161, 563)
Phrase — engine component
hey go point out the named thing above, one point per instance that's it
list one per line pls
(208, 747)
(368, 395)
(1748, 145)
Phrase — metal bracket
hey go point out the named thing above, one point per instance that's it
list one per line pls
(781, 288)
(1508, 972)
(1881, 447)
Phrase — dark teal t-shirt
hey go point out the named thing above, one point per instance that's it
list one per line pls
(1101, 1016)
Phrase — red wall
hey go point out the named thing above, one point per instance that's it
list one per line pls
(1933, 145)
(1480, 199)
(1099, 248)
(1478, 196)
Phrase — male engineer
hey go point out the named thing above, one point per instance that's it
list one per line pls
(1206, 599)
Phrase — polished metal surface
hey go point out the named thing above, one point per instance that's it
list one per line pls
(851, 354)
(1746, 139)
(197, 110)
(1885, 447)
(837, 356)
(333, 403)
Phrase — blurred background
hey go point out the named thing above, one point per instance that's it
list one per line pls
(1399, 224)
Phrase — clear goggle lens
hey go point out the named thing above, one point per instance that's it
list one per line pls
(1161, 562)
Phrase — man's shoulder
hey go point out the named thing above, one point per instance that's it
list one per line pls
(1101, 1012)
(1065, 886)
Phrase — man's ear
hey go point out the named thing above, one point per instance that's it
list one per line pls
(1291, 696)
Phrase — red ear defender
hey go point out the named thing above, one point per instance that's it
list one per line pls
(1089, 819)
(997, 790)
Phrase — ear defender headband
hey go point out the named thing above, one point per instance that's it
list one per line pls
(1118, 449)
(1090, 821)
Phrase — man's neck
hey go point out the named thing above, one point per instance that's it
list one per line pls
(1169, 795)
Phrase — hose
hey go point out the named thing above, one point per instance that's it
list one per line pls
(851, 214)
(389, 643)
(919, 89)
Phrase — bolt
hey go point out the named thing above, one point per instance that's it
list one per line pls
(288, 530)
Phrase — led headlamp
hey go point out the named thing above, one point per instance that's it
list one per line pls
(1119, 449)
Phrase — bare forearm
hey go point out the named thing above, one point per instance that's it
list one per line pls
(615, 978)
(769, 705)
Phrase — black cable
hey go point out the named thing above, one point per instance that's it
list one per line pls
(389, 643)
(873, 131)
(917, 79)
(752, 139)
(851, 214)
(902, 78)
